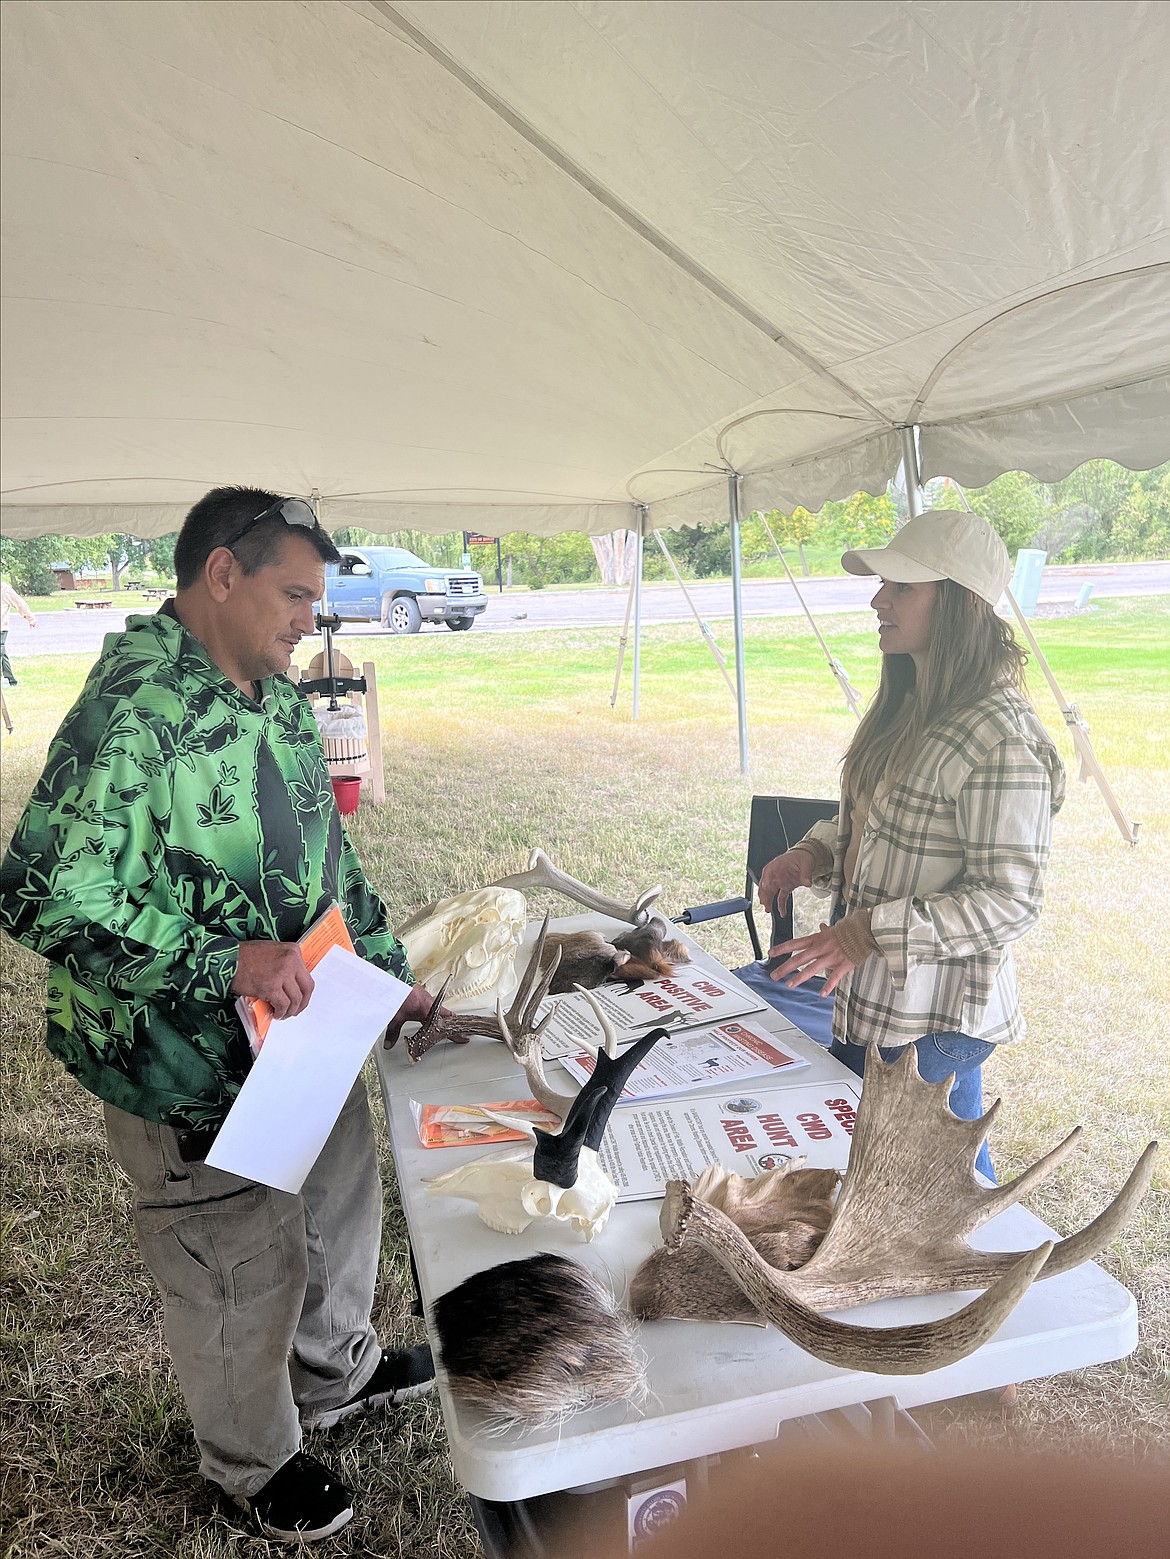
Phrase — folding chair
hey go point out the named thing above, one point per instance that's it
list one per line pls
(775, 825)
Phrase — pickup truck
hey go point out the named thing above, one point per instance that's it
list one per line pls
(392, 586)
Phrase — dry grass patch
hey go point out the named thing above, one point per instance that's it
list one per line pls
(494, 745)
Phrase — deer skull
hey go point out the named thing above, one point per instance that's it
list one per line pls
(468, 943)
(509, 1196)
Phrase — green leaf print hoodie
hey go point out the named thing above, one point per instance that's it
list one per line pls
(174, 819)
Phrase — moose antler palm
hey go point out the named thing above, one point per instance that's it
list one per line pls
(907, 1205)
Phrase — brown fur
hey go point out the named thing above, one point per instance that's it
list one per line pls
(534, 1340)
(589, 960)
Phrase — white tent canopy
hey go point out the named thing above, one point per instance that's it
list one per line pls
(468, 264)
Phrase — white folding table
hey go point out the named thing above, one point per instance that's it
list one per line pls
(712, 1387)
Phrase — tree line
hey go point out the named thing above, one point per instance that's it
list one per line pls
(1100, 512)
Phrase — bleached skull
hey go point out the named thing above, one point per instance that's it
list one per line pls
(472, 938)
(509, 1197)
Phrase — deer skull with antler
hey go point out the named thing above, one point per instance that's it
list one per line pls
(561, 1177)
(899, 1227)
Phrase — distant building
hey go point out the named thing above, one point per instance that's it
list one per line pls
(63, 574)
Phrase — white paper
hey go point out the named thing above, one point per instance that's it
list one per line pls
(302, 1077)
(687, 999)
(746, 1129)
(698, 1058)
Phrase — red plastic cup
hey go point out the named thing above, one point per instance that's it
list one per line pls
(347, 790)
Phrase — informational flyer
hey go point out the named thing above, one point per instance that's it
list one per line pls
(747, 1129)
(463, 1125)
(688, 999)
(696, 1058)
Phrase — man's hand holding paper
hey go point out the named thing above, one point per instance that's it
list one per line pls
(295, 1091)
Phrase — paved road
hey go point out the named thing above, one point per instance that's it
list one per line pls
(77, 632)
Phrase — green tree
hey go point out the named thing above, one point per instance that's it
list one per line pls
(1142, 527)
(794, 530)
(1015, 504)
(869, 521)
(27, 563)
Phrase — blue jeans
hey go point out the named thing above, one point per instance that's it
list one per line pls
(938, 1054)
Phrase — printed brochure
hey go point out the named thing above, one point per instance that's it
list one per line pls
(697, 1058)
(746, 1129)
(688, 999)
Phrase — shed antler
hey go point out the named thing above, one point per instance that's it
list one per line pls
(542, 873)
(908, 1202)
(519, 1027)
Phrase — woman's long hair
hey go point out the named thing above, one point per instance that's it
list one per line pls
(971, 652)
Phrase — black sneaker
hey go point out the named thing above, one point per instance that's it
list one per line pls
(302, 1502)
(401, 1373)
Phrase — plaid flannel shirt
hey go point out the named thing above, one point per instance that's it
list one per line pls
(951, 869)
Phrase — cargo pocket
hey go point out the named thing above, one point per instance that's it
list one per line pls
(213, 1253)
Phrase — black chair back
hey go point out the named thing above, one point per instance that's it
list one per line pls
(776, 824)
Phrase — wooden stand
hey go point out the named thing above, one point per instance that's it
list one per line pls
(4, 711)
(362, 692)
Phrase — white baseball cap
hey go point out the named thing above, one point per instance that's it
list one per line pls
(940, 544)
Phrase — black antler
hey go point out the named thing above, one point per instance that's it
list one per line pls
(555, 1158)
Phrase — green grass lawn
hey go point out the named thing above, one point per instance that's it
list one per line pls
(494, 744)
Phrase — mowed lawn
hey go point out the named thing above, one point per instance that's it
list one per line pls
(494, 744)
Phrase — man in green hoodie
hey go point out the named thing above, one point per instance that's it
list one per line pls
(181, 839)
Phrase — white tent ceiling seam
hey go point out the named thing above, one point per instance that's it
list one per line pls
(503, 267)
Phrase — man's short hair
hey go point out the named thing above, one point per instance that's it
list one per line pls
(223, 512)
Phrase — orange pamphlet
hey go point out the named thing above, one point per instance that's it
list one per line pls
(461, 1125)
(328, 930)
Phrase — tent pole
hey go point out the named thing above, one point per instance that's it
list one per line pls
(737, 609)
(639, 551)
(910, 471)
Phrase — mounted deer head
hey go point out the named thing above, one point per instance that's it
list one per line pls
(908, 1201)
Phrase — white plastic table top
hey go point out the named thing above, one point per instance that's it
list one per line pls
(712, 1387)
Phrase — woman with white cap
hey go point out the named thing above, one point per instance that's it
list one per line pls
(936, 861)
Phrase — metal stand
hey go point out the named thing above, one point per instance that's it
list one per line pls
(356, 690)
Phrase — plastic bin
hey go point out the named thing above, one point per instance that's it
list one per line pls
(347, 790)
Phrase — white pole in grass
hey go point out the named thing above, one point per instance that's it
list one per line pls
(737, 610)
(639, 550)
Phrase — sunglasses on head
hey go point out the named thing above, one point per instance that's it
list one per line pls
(293, 511)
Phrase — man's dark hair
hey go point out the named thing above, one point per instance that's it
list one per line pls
(221, 514)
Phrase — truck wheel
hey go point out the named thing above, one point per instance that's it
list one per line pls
(400, 614)
(459, 624)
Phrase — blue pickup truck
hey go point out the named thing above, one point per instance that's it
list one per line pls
(392, 586)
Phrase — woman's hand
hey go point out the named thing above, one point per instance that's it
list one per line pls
(784, 872)
(820, 953)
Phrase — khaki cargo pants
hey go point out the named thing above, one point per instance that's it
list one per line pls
(267, 1296)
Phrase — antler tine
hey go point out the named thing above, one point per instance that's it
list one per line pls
(895, 1350)
(608, 1032)
(429, 1031)
(1094, 1237)
(542, 873)
(532, 1060)
(520, 1029)
(525, 1003)
(995, 1200)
